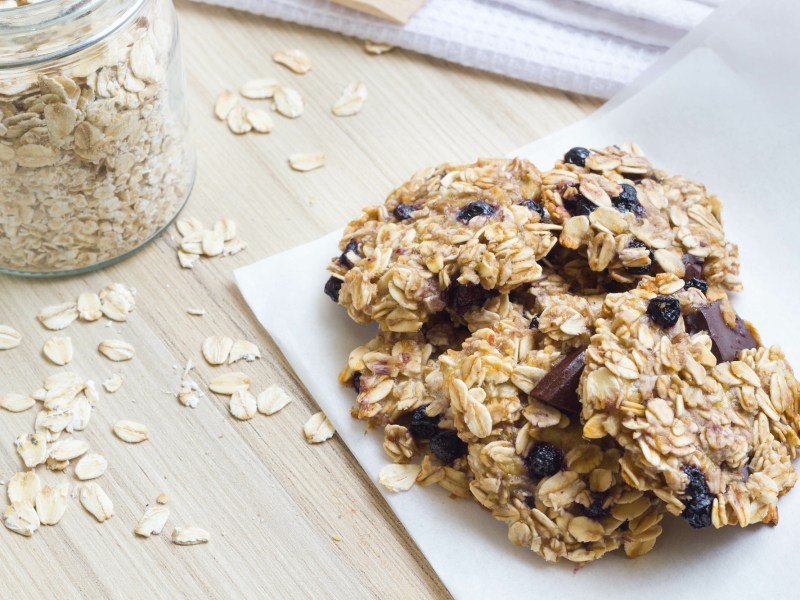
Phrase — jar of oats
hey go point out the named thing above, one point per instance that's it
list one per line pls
(94, 155)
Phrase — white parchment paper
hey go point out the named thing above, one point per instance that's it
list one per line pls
(721, 107)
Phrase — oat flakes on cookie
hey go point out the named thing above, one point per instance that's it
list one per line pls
(561, 495)
(632, 220)
(451, 237)
(707, 416)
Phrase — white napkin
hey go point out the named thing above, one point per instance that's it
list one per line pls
(578, 45)
(720, 107)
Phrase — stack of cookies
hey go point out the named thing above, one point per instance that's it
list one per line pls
(560, 347)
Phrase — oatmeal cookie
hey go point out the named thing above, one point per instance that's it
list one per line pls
(632, 220)
(561, 495)
(449, 238)
(707, 416)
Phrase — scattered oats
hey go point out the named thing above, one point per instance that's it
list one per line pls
(318, 428)
(216, 349)
(59, 316)
(273, 399)
(307, 162)
(162, 498)
(187, 260)
(91, 466)
(233, 247)
(21, 518)
(117, 301)
(260, 120)
(113, 383)
(259, 89)
(32, 448)
(224, 104)
(68, 449)
(237, 121)
(56, 465)
(63, 379)
(196, 312)
(242, 405)
(398, 478)
(24, 487)
(58, 350)
(188, 225)
(96, 501)
(226, 227)
(89, 307)
(228, 383)
(336, 537)
(351, 101)
(130, 431)
(377, 47)
(90, 391)
(51, 503)
(16, 402)
(39, 394)
(189, 394)
(296, 60)
(242, 349)
(289, 102)
(116, 350)
(152, 521)
(189, 536)
(9, 337)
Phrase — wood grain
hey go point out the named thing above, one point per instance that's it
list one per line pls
(270, 501)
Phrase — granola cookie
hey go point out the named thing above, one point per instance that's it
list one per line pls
(632, 220)
(708, 417)
(561, 495)
(450, 238)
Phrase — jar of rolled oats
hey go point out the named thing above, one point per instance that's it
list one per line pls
(95, 160)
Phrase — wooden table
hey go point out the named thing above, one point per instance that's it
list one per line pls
(271, 502)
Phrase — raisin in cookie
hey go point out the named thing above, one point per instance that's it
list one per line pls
(708, 417)
(561, 495)
(633, 220)
(449, 238)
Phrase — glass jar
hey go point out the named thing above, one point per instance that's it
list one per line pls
(95, 160)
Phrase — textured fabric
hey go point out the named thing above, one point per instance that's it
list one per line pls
(592, 47)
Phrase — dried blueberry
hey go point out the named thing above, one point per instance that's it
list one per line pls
(698, 502)
(357, 381)
(534, 322)
(475, 209)
(544, 460)
(352, 246)
(534, 206)
(461, 298)
(577, 156)
(332, 288)
(422, 426)
(646, 268)
(576, 203)
(403, 212)
(627, 201)
(596, 510)
(530, 501)
(694, 282)
(664, 310)
(447, 446)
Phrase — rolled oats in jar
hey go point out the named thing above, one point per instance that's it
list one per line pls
(95, 160)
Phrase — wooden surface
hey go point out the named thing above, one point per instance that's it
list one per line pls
(271, 502)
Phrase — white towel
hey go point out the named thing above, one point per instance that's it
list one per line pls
(588, 46)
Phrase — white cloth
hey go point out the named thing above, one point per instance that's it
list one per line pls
(588, 46)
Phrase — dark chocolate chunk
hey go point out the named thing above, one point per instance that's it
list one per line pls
(664, 310)
(352, 246)
(559, 387)
(475, 209)
(461, 298)
(577, 156)
(694, 267)
(726, 342)
(403, 212)
(332, 288)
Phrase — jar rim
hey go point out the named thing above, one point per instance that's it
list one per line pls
(65, 26)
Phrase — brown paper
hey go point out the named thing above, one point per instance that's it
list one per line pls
(398, 11)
